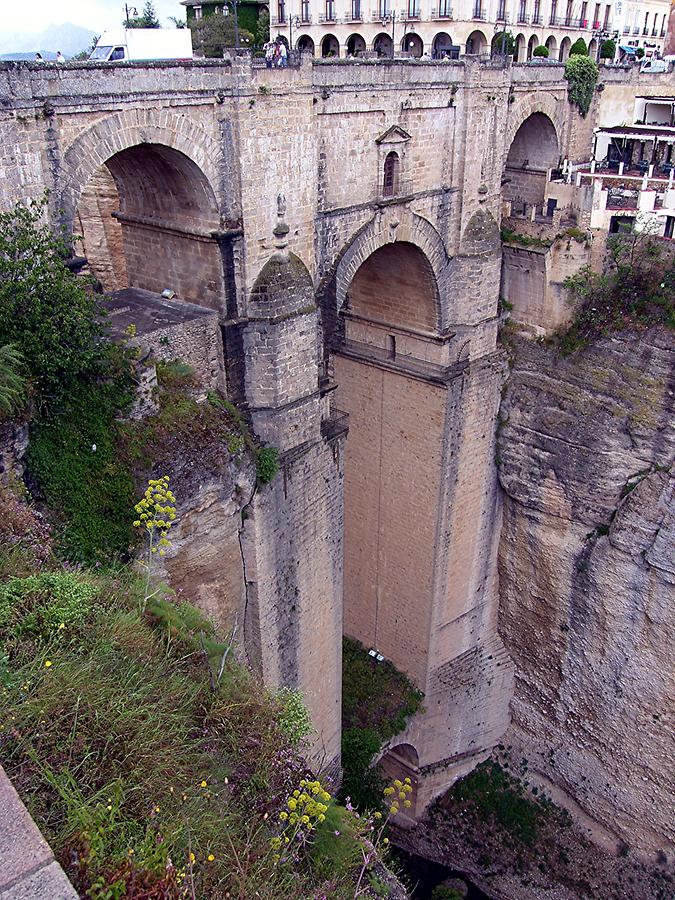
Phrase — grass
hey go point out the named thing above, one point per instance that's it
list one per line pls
(136, 771)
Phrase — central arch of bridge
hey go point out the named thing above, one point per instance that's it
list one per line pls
(385, 378)
(148, 218)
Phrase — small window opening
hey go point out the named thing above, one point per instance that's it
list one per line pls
(391, 346)
(391, 168)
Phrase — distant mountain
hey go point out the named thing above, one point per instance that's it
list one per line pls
(68, 38)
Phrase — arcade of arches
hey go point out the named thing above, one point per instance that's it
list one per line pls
(148, 219)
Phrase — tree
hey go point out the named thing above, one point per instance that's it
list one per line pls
(540, 51)
(147, 20)
(46, 313)
(608, 50)
(262, 31)
(639, 53)
(579, 48)
(581, 73)
(85, 54)
(504, 43)
(179, 23)
(212, 34)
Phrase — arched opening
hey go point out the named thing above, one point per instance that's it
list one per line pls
(305, 44)
(383, 46)
(533, 151)
(531, 44)
(552, 46)
(398, 764)
(442, 45)
(390, 177)
(565, 46)
(412, 43)
(593, 48)
(521, 48)
(392, 461)
(476, 43)
(355, 45)
(330, 46)
(146, 219)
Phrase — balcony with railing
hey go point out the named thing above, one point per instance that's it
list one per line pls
(582, 23)
(355, 13)
(523, 18)
(329, 14)
(662, 33)
(626, 29)
(502, 15)
(278, 20)
(537, 19)
(636, 30)
(479, 12)
(444, 11)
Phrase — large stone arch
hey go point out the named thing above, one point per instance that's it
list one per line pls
(524, 107)
(128, 129)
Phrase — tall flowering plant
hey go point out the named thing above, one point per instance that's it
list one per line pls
(156, 513)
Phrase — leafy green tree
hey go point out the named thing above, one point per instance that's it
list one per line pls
(504, 42)
(46, 312)
(540, 51)
(639, 53)
(581, 73)
(212, 34)
(579, 48)
(262, 31)
(179, 23)
(608, 49)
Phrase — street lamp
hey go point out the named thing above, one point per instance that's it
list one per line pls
(236, 24)
(292, 20)
(127, 10)
(394, 17)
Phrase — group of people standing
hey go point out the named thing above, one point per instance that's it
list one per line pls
(60, 58)
(276, 54)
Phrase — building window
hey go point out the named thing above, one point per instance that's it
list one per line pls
(478, 9)
(356, 9)
(281, 11)
(522, 11)
(554, 11)
(304, 11)
(413, 9)
(501, 11)
(198, 12)
(536, 15)
(583, 19)
(391, 168)
(384, 8)
(568, 14)
(330, 10)
(606, 22)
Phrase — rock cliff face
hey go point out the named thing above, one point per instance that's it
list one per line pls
(587, 573)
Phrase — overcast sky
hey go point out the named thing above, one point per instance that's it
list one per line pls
(94, 14)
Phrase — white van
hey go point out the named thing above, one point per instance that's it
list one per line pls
(143, 44)
(654, 65)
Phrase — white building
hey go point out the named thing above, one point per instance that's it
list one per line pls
(342, 28)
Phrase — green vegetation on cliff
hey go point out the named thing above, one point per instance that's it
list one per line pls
(637, 288)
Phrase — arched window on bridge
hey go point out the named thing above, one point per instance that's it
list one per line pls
(392, 165)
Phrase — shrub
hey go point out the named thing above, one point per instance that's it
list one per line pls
(639, 53)
(12, 382)
(540, 51)
(608, 49)
(582, 74)
(579, 48)
(44, 604)
(294, 718)
(45, 311)
(267, 464)
(637, 287)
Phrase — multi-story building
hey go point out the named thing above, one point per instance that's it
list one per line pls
(343, 28)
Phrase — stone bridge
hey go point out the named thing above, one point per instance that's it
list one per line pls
(373, 290)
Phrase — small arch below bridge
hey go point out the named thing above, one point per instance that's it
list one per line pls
(398, 764)
(305, 44)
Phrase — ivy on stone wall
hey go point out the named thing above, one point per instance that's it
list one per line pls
(582, 74)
